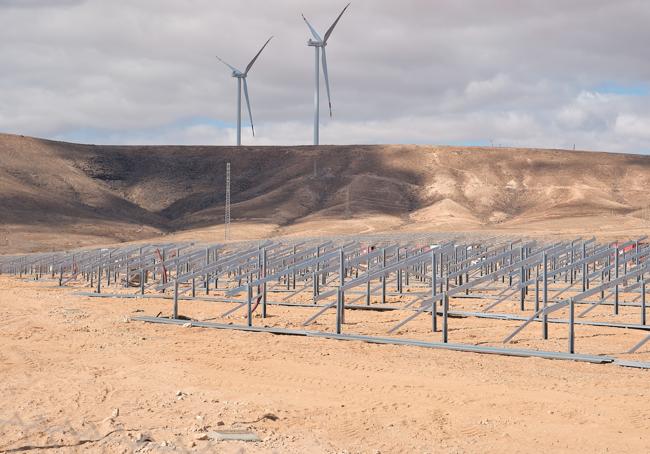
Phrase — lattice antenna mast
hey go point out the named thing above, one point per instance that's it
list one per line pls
(227, 217)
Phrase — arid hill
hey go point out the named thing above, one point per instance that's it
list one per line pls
(56, 194)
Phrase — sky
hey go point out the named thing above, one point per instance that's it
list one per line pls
(533, 73)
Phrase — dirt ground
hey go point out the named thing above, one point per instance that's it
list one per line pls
(73, 368)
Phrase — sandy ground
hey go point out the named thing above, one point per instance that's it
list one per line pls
(72, 369)
(20, 238)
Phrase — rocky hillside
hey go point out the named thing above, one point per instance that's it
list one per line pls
(125, 192)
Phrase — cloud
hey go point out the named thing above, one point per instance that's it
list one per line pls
(519, 73)
(38, 3)
(633, 126)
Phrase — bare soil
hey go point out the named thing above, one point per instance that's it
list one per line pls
(73, 368)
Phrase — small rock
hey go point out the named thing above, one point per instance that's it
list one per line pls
(142, 437)
(116, 412)
(201, 437)
(179, 393)
(270, 416)
(220, 423)
(187, 325)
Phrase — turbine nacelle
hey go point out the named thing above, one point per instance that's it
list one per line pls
(313, 43)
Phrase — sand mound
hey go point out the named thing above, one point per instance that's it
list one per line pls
(446, 211)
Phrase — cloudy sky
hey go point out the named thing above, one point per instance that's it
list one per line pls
(534, 73)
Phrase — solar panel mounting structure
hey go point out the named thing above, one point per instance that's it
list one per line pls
(309, 283)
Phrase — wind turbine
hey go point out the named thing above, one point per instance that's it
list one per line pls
(319, 44)
(241, 76)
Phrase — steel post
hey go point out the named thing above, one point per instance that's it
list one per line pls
(175, 309)
(445, 318)
(434, 315)
(571, 326)
(643, 311)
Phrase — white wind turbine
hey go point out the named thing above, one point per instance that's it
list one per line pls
(319, 46)
(242, 76)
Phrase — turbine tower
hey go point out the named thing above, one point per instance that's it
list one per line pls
(241, 76)
(319, 44)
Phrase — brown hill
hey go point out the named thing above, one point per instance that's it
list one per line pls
(56, 194)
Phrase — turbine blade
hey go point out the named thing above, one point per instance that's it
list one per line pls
(311, 29)
(228, 65)
(327, 79)
(329, 30)
(248, 104)
(250, 65)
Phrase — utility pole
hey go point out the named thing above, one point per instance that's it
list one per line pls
(227, 218)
